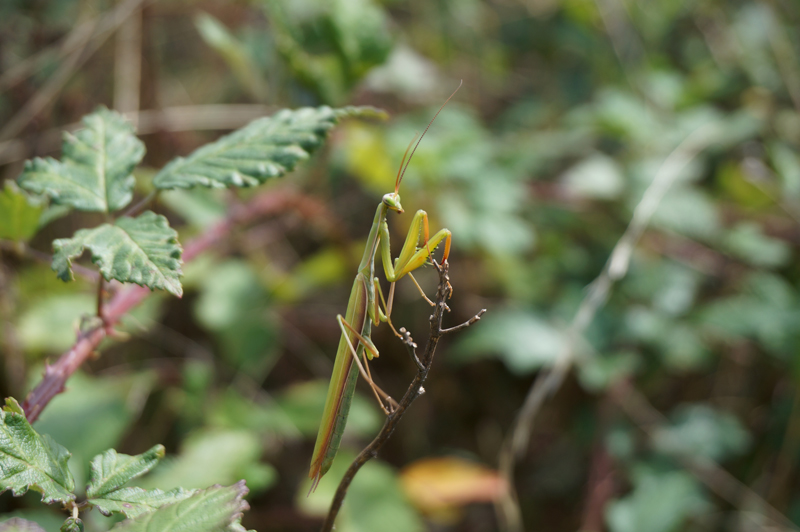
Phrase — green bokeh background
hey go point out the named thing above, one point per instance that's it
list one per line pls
(569, 111)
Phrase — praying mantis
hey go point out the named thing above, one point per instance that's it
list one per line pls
(364, 312)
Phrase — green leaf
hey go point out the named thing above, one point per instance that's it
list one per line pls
(111, 470)
(95, 173)
(133, 502)
(266, 148)
(94, 414)
(72, 524)
(215, 509)
(362, 34)
(19, 215)
(141, 250)
(29, 460)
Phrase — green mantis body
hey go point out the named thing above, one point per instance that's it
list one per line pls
(364, 311)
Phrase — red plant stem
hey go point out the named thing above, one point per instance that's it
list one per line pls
(56, 375)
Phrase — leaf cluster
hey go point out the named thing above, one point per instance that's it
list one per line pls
(96, 175)
(33, 461)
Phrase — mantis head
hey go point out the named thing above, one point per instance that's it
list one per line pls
(392, 200)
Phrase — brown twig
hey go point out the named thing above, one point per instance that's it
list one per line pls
(56, 375)
(414, 390)
(89, 44)
(601, 486)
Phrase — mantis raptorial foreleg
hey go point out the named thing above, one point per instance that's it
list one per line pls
(380, 395)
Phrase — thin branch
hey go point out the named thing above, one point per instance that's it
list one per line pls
(549, 380)
(27, 66)
(128, 64)
(56, 375)
(100, 294)
(415, 389)
(144, 202)
(91, 43)
(24, 250)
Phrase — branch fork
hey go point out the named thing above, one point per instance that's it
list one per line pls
(415, 389)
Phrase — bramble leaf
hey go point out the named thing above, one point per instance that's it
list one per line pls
(111, 470)
(142, 250)
(216, 509)
(133, 502)
(265, 148)
(95, 173)
(19, 216)
(29, 460)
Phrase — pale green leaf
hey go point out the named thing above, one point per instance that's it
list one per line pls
(111, 470)
(17, 524)
(95, 173)
(748, 242)
(266, 148)
(49, 324)
(699, 430)
(215, 509)
(660, 502)
(596, 177)
(141, 250)
(29, 460)
(133, 502)
(225, 455)
(524, 340)
(19, 214)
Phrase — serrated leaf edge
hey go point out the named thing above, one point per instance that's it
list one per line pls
(13, 408)
(157, 450)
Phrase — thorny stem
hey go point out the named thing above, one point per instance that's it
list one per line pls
(144, 202)
(414, 390)
(100, 296)
(56, 375)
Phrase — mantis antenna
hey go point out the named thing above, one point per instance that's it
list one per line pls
(407, 162)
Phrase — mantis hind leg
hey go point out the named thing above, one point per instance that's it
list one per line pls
(380, 395)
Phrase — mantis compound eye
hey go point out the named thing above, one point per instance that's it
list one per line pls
(392, 200)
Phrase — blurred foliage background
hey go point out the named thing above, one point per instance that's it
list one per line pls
(681, 409)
